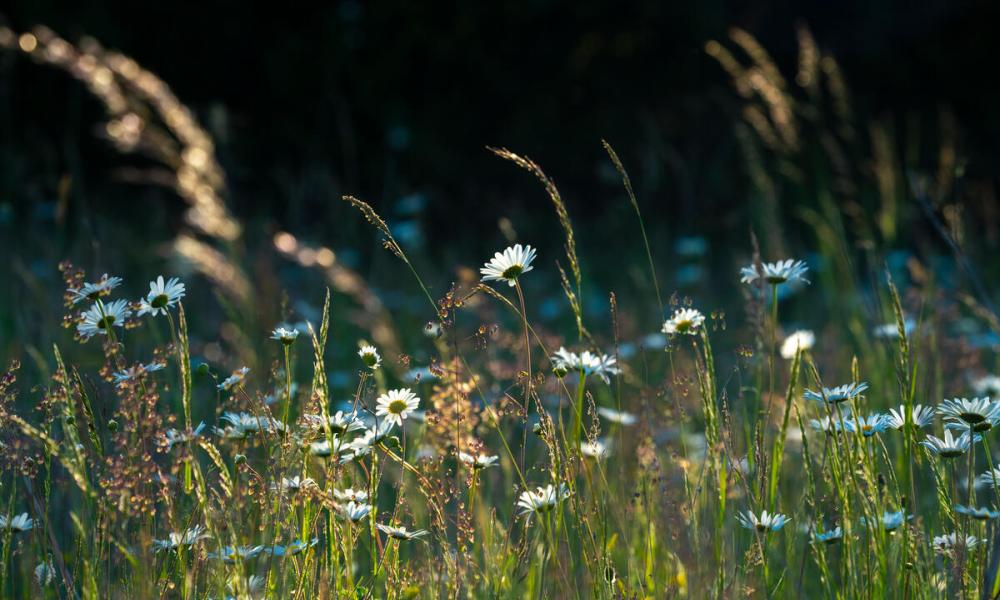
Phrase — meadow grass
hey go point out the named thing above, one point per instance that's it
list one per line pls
(834, 440)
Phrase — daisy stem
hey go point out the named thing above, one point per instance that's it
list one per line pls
(989, 463)
(288, 383)
(581, 387)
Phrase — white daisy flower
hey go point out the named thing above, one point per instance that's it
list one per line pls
(949, 446)
(248, 423)
(509, 265)
(978, 413)
(478, 462)
(187, 538)
(802, 339)
(19, 523)
(99, 318)
(93, 291)
(615, 416)
(292, 549)
(891, 330)
(285, 336)
(601, 365)
(137, 371)
(595, 449)
(776, 272)
(363, 444)
(400, 533)
(396, 405)
(339, 423)
(891, 521)
(230, 554)
(543, 499)
(370, 356)
(765, 522)
(45, 573)
(684, 321)
(867, 426)
(161, 297)
(841, 393)
(831, 536)
(921, 416)
(944, 544)
(293, 485)
(351, 495)
(987, 385)
(829, 425)
(234, 379)
(355, 511)
(977, 513)
(323, 448)
(174, 436)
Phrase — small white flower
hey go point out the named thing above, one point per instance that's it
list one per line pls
(400, 533)
(355, 511)
(99, 318)
(946, 543)
(615, 416)
(292, 549)
(137, 371)
(828, 537)
(684, 321)
(867, 426)
(396, 405)
(829, 425)
(45, 573)
(921, 416)
(242, 424)
(293, 485)
(978, 513)
(841, 393)
(601, 365)
(543, 499)
(175, 540)
(987, 385)
(370, 356)
(800, 340)
(509, 265)
(891, 330)
(478, 462)
(230, 554)
(174, 437)
(93, 291)
(765, 522)
(18, 523)
(351, 495)
(776, 272)
(235, 379)
(323, 448)
(595, 449)
(285, 336)
(161, 297)
(339, 423)
(949, 446)
(363, 444)
(978, 413)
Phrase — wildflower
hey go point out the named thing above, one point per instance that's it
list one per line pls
(776, 272)
(543, 499)
(867, 426)
(508, 266)
(363, 445)
(949, 446)
(99, 318)
(242, 424)
(595, 449)
(987, 385)
(293, 484)
(989, 478)
(978, 513)
(175, 540)
(323, 448)
(946, 543)
(684, 321)
(764, 523)
(338, 423)
(230, 554)
(980, 414)
(800, 340)
(478, 462)
(601, 365)
(137, 371)
(620, 417)
(174, 437)
(355, 511)
(891, 330)
(292, 549)
(161, 296)
(351, 495)
(400, 533)
(396, 405)
(234, 379)
(19, 523)
(285, 336)
(93, 291)
(891, 521)
(838, 394)
(920, 416)
(45, 573)
(370, 356)
(828, 537)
